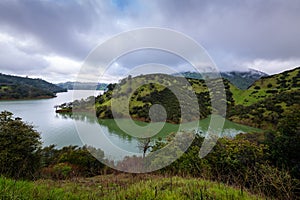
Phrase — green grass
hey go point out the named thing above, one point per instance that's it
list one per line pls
(10, 189)
(121, 186)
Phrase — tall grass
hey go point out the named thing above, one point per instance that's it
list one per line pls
(11, 189)
(179, 188)
(120, 187)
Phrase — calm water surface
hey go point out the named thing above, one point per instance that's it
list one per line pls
(54, 128)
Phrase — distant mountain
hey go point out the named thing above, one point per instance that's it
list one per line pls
(241, 79)
(82, 86)
(15, 87)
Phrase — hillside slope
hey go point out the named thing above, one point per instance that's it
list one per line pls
(267, 86)
(15, 87)
(261, 105)
(267, 100)
(161, 92)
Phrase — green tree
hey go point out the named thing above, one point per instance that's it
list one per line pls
(286, 147)
(19, 145)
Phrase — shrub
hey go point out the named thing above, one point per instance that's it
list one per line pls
(269, 85)
(62, 170)
(19, 145)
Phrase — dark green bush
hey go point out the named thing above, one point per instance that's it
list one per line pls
(19, 145)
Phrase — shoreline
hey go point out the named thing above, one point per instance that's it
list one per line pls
(32, 98)
(22, 99)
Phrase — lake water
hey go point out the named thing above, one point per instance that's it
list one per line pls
(54, 128)
(62, 130)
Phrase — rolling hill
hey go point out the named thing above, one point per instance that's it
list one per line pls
(268, 86)
(261, 105)
(267, 99)
(15, 87)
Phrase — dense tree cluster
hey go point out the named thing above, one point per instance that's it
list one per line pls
(22, 92)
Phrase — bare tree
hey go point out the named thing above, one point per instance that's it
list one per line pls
(144, 145)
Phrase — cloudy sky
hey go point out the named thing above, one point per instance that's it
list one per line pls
(50, 39)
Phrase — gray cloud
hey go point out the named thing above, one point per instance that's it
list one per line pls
(56, 26)
(235, 33)
(11, 58)
(248, 29)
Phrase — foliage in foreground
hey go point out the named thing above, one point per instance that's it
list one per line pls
(263, 163)
(19, 144)
(122, 186)
(70, 161)
(267, 163)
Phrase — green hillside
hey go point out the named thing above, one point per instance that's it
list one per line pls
(160, 90)
(267, 100)
(267, 86)
(261, 105)
(15, 87)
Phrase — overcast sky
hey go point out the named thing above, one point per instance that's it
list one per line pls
(50, 39)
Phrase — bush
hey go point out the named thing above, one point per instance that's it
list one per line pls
(19, 145)
(272, 91)
(62, 170)
(71, 161)
(269, 85)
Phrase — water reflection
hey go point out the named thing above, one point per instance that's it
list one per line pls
(106, 134)
(113, 128)
(230, 129)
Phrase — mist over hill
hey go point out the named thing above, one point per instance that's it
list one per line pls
(82, 85)
(241, 79)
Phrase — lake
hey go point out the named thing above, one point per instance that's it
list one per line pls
(62, 130)
(54, 128)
